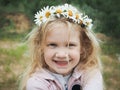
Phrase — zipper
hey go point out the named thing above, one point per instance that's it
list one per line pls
(66, 88)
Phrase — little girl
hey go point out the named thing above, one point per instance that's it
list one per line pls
(65, 53)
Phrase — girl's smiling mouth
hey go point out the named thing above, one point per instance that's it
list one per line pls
(61, 62)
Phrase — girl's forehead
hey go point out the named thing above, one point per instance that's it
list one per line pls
(53, 25)
(62, 32)
(67, 26)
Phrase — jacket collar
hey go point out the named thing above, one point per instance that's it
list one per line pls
(44, 73)
(77, 73)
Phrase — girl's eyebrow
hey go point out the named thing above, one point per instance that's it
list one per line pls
(48, 42)
(72, 42)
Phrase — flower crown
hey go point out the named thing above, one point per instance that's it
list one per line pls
(67, 11)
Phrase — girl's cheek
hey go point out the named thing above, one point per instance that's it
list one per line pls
(50, 52)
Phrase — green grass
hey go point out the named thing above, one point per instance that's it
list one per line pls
(111, 64)
(14, 52)
(13, 36)
(111, 47)
(111, 73)
(11, 65)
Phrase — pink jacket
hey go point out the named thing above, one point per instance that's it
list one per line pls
(42, 80)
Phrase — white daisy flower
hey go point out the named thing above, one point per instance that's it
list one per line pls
(39, 18)
(69, 12)
(76, 17)
(86, 20)
(58, 11)
(43, 15)
(89, 27)
(47, 12)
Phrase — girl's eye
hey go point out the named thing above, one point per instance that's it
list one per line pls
(52, 45)
(71, 45)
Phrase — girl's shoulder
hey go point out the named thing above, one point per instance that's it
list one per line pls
(34, 83)
(90, 79)
(38, 80)
(92, 73)
(93, 79)
(87, 72)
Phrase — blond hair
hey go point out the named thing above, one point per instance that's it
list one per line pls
(90, 48)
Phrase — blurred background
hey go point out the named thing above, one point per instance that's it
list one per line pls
(17, 20)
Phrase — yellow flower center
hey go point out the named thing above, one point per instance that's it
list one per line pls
(81, 22)
(58, 11)
(87, 23)
(41, 18)
(77, 16)
(47, 14)
(70, 13)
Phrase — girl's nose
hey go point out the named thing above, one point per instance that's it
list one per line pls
(61, 54)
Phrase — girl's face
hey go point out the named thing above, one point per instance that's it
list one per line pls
(62, 49)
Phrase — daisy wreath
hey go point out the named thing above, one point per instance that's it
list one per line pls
(67, 11)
